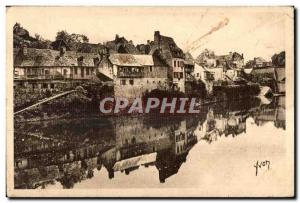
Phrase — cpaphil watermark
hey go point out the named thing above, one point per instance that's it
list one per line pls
(110, 105)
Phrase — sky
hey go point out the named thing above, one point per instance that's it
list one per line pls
(251, 31)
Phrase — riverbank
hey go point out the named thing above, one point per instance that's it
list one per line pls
(85, 103)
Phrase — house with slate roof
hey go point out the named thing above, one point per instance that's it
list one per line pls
(133, 74)
(48, 69)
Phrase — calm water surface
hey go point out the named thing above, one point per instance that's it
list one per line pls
(218, 147)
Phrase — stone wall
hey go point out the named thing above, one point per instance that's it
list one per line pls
(139, 86)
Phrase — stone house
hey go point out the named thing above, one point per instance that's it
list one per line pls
(208, 75)
(189, 66)
(133, 75)
(173, 56)
(233, 60)
(274, 77)
(50, 69)
(210, 67)
(258, 62)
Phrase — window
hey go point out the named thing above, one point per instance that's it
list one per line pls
(123, 82)
(87, 71)
(174, 63)
(80, 61)
(65, 71)
(96, 61)
(82, 72)
(131, 82)
(153, 81)
(45, 85)
(181, 75)
(197, 74)
(133, 140)
(150, 68)
(75, 71)
(47, 72)
(52, 86)
(178, 63)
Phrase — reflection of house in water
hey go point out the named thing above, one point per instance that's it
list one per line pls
(70, 151)
(164, 144)
(274, 112)
(228, 123)
(236, 124)
(170, 159)
(130, 143)
(49, 154)
(67, 166)
(134, 139)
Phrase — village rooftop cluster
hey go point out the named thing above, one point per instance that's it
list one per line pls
(133, 70)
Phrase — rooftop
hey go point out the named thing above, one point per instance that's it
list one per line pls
(131, 60)
(49, 57)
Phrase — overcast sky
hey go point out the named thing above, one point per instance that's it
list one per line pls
(252, 31)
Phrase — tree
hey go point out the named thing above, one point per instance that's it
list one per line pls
(21, 35)
(62, 35)
(279, 59)
(37, 37)
(71, 38)
(75, 41)
(79, 38)
(17, 26)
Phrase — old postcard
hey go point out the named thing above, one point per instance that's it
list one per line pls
(150, 101)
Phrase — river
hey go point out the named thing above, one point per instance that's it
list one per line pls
(218, 147)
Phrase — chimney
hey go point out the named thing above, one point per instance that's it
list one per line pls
(117, 37)
(156, 37)
(24, 49)
(101, 54)
(106, 52)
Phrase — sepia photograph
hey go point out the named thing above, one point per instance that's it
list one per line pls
(150, 101)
